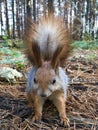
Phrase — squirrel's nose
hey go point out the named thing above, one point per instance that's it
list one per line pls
(43, 95)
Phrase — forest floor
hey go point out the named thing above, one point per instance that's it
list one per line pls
(82, 99)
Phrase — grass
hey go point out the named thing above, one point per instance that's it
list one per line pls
(85, 44)
(12, 56)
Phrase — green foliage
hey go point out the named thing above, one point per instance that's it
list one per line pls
(85, 44)
(80, 44)
(88, 37)
(11, 42)
(18, 43)
(7, 41)
(12, 56)
(20, 65)
(91, 57)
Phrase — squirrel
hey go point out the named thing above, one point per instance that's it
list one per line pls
(47, 47)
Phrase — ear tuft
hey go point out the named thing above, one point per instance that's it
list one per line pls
(55, 58)
(37, 54)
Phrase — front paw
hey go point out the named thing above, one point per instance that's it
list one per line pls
(65, 121)
(36, 118)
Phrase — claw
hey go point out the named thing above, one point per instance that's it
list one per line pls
(36, 118)
(65, 121)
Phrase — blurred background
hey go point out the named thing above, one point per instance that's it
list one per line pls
(81, 16)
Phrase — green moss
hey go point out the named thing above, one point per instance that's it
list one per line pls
(85, 44)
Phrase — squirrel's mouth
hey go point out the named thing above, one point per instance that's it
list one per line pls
(43, 95)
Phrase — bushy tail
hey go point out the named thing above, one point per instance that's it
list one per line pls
(47, 40)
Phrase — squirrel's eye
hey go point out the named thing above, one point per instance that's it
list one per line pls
(35, 81)
(54, 81)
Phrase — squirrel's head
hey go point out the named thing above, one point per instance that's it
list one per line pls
(46, 80)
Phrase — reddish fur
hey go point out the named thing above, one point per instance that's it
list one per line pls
(47, 61)
(63, 37)
(58, 99)
(43, 75)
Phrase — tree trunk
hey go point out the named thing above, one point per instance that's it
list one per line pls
(7, 19)
(87, 14)
(17, 18)
(44, 8)
(1, 20)
(13, 14)
(34, 10)
(28, 3)
(92, 17)
(59, 6)
(66, 13)
(50, 7)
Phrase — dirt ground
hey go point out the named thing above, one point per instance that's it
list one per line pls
(82, 100)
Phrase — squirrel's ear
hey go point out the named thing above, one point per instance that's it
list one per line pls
(55, 58)
(37, 54)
